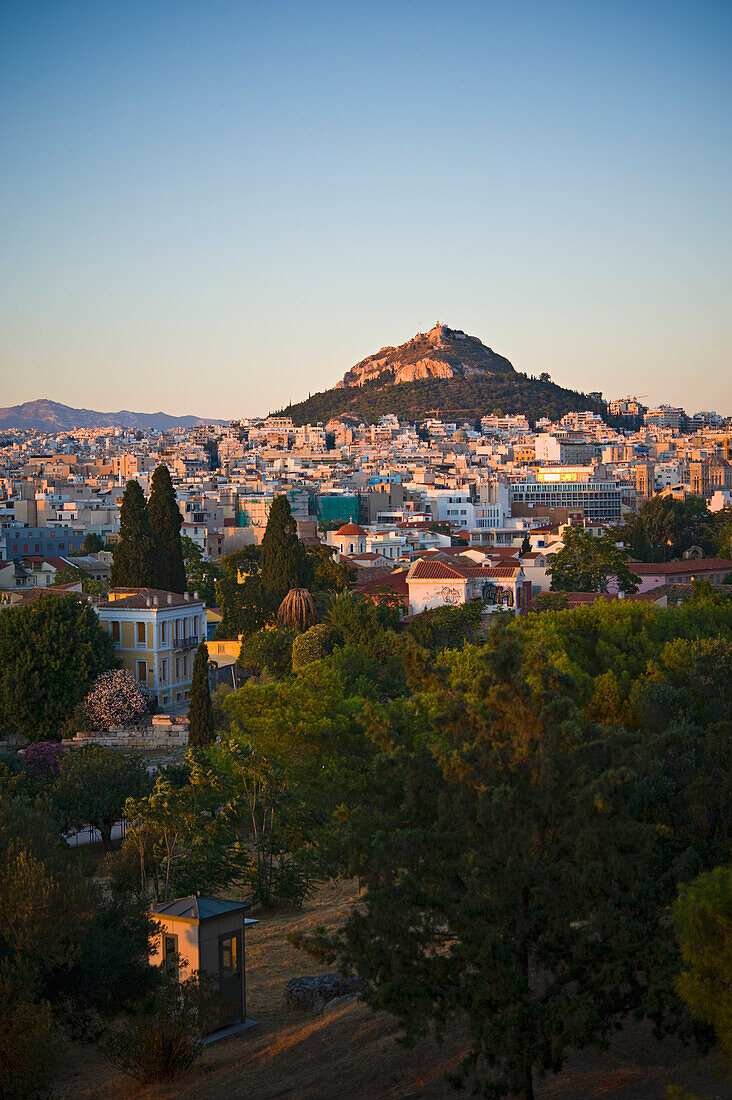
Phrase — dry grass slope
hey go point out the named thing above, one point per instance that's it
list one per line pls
(353, 1054)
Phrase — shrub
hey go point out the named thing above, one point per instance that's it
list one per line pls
(268, 651)
(116, 698)
(25, 1038)
(43, 759)
(166, 1038)
(314, 644)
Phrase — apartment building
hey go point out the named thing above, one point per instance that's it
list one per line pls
(18, 541)
(155, 636)
(573, 487)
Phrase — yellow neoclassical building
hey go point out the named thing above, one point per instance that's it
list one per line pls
(155, 636)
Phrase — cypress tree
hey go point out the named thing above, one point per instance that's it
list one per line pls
(285, 563)
(165, 523)
(200, 713)
(133, 565)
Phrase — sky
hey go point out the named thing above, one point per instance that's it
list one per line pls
(218, 207)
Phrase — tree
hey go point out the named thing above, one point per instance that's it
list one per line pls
(507, 876)
(312, 645)
(586, 564)
(525, 546)
(330, 575)
(185, 832)
(447, 627)
(297, 610)
(165, 523)
(285, 561)
(93, 785)
(268, 650)
(70, 574)
(296, 752)
(663, 528)
(66, 948)
(703, 922)
(200, 714)
(93, 543)
(133, 563)
(116, 698)
(50, 651)
(192, 553)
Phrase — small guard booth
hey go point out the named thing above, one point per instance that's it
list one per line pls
(199, 933)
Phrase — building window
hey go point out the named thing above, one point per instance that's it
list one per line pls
(163, 633)
(177, 669)
(115, 633)
(170, 954)
(141, 640)
(164, 670)
(142, 672)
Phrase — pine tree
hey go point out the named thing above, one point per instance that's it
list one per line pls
(285, 563)
(133, 565)
(165, 523)
(200, 713)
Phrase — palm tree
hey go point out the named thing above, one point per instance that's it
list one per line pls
(297, 610)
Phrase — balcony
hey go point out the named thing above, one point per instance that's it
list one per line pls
(186, 643)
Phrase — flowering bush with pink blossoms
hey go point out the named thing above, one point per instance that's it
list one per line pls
(116, 698)
(43, 759)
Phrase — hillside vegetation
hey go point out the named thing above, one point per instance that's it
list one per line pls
(449, 398)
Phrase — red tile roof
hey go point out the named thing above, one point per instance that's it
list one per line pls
(137, 600)
(434, 571)
(350, 529)
(397, 582)
(675, 568)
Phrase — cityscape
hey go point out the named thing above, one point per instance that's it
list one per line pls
(365, 711)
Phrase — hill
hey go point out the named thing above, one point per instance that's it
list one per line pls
(440, 353)
(51, 416)
(440, 373)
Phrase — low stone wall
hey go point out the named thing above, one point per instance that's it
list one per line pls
(162, 733)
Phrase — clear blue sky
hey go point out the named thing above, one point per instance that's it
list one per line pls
(215, 207)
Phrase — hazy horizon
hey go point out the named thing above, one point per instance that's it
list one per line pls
(213, 210)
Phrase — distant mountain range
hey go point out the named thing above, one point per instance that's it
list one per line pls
(50, 416)
(445, 373)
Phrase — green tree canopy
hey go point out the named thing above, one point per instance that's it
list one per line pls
(67, 949)
(703, 921)
(663, 528)
(133, 564)
(200, 713)
(268, 650)
(285, 561)
(243, 605)
(70, 574)
(93, 543)
(586, 563)
(165, 523)
(93, 785)
(508, 878)
(50, 652)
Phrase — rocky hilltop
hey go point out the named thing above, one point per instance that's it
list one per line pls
(443, 372)
(440, 353)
